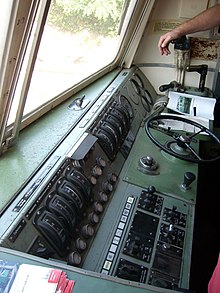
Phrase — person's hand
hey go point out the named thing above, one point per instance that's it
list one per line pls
(164, 41)
(163, 44)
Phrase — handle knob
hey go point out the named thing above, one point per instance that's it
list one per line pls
(165, 87)
(168, 86)
(189, 177)
(151, 189)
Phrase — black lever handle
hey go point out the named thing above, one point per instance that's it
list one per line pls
(181, 44)
(189, 177)
(166, 87)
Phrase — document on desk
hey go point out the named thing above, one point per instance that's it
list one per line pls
(180, 125)
(191, 105)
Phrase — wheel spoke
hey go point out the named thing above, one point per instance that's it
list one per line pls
(195, 134)
(166, 131)
(193, 151)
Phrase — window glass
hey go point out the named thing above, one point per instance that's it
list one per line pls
(80, 37)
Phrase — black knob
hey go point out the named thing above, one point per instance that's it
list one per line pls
(98, 208)
(107, 187)
(168, 86)
(93, 218)
(96, 171)
(87, 231)
(103, 197)
(112, 178)
(181, 43)
(151, 189)
(101, 162)
(165, 87)
(189, 177)
(74, 258)
(80, 244)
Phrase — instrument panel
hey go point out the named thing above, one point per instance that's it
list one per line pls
(93, 206)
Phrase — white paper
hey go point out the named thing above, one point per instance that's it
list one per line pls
(34, 279)
(180, 125)
(191, 105)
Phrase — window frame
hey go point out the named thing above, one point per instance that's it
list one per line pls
(130, 33)
(20, 25)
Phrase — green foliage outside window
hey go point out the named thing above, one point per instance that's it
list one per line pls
(96, 16)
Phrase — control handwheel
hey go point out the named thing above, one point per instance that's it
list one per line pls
(181, 143)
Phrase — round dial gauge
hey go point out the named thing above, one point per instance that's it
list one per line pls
(125, 102)
(143, 93)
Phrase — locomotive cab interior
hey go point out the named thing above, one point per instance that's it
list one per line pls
(111, 184)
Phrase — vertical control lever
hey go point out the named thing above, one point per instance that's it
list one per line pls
(182, 57)
(202, 70)
(189, 177)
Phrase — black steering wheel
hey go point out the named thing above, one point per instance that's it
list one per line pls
(180, 137)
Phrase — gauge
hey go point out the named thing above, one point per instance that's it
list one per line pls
(123, 111)
(148, 97)
(145, 104)
(110, 129)
(140, 90)
(124, 101)
(139, 80)
(52, 229)
(116, 113)
(62, 209)
(107, 142)
(146, 100)
(133, 91)
(80, 181)
(71, 194)
(117, 124)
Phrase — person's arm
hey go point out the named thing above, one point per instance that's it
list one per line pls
(202, 22)
(214, 283)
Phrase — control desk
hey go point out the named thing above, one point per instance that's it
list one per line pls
(109, 201)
